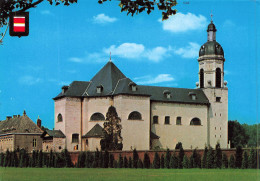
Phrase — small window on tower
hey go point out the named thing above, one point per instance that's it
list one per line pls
(155, 119)
(178, 121)
(218, 99)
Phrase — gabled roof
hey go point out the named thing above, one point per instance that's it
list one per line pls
(113, 82)
(95, 132)
(19, 124)
(54, 134)
(153, 135)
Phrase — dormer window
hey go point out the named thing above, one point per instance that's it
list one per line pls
(64, 89)
(99, 89)
(193, 96)
(132, 86)
(167, 94)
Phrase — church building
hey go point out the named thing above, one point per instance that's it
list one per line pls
(152, 117)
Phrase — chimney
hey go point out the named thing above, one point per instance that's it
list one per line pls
(39, 122)
(14, 116)
(24, 113)
(8, 117)
(64, 89)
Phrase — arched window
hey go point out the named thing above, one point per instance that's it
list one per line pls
(97, 117)
(218, 78)
(75, 138)
(201, 78)
(195, 121)
(59, 117)
(135, 116)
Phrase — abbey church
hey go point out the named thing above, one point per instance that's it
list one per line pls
(151, 117)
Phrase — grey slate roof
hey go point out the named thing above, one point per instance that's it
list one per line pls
(114, 82)
(153, 135)
(95, 132)
(19, 124)
(54, 134)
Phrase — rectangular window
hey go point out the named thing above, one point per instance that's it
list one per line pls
(178, 121)
(75, 138)
(155, 119)
(34, 143)
(218, 99)
(167, 120)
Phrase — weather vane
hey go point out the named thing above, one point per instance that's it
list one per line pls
(110, 58)
(211, 15)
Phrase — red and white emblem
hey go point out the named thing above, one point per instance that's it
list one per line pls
(19, 24)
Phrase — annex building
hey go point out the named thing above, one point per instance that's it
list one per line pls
(151, 117)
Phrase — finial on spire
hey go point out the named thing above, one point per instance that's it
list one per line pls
(110, 58)
(211, 16)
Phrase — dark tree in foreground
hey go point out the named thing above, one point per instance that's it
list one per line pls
(224, 161)
(245, 160)
(185, 162)
(125, 162)
(232, 162)
(210, 158)
(146, 160)
(167, 159)
(156, 161)
(204, 158)
(218, 156)
(135, 158)
(130, 163)
(252, 160)
(162, 161)
(120, 161)
(140, 164)
(239, 157)
(112, 131)
(180, 157)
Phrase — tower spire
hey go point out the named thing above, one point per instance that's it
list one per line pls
(110, 58)
(211, 17)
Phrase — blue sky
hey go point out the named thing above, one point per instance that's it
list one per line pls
(73, 43)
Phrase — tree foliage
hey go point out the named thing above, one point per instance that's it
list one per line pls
(146, 160)
(139, 6)
(239, 156)
(210, 158)
(135, 158)
(232, 162)
(245, 160)
(218, 156)
(156, 161)
(112, 131)
(224, 161)
(237, 134)
(252, 159)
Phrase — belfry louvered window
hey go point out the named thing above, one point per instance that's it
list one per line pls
(218, 78)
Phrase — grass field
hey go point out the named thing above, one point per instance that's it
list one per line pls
(63, 174)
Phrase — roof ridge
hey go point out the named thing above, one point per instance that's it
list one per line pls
(86, 91)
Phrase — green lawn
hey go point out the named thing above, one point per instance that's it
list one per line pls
(63, 174)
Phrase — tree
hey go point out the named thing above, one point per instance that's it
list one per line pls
(252, 160)
(120, 161)
(218, 156)
(140, 164)
(7, 159)
(195, 160)
(237, 134)
(51, 159)
(106, 159)
(112, 131)
(232, 161)
(111, 160)
(186, 163)
(180, 157)
(167, 159)
(125, 162)
(67, 159)
(253, 132)
(135, 158)
(40, 159)
(175, 160)
(224, 161)
(130, 163)
(210, 158)
(204, 158)
(146, 160)
(2, 159)
(162, 161)
(239, 154)
(136, 7)
(245, 160)
(178, 146)
(89, 160)
(81, 160)
(172, 162)
(156, 161)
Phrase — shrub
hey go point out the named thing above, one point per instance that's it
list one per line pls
(140, 164)
(40, 159)
(218, 156)
(186, 163)
(111, 160)
(180, 157)
(125, 162)
(120, 161)
(130, 163)
(167, 159)
(106, 159)
(135, 158)
(210, 158)
(224, 161)
(239, 154)
(252, 160)
(146, 161)
(232, 161)
(204, 158)
(245, 160)
(156, 161)
(162, 161)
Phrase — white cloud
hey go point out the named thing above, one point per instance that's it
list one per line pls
(127, 51)
(184, 22)
(46, 12)
(154, 80)
(190, 51)
(29, 80)
(103, 19)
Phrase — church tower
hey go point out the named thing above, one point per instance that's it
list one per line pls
(211, 81)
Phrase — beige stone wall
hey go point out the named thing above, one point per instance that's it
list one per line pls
(91, 106)
(218, 116)
(70, 108)
(6, 143)
(56, 145)
(135, 133)
(20, 141)
(93, 144)
(170, 134)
